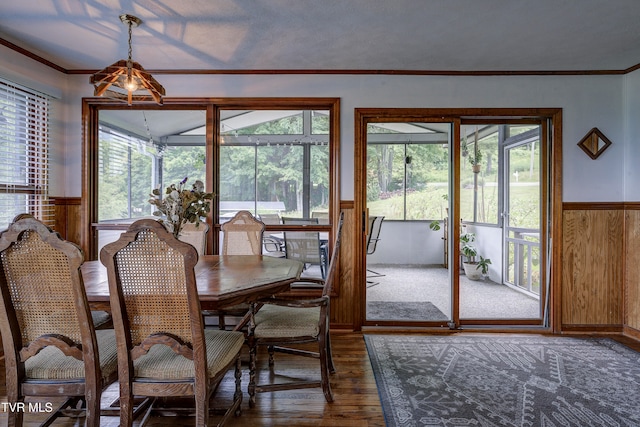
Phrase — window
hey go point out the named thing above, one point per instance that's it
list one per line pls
(408, 170)
(274, 162)
(479, 171)
(263, 159)
(124, 175)
(24, 154)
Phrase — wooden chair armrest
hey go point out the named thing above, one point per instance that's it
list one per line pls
(316, 302)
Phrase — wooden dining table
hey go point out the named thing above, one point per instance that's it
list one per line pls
(222, 281)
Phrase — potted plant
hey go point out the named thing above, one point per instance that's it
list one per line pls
(475, 266)
(475, 157)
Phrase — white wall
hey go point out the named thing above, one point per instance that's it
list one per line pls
(409, 243)
(587, 102)
(632, 137)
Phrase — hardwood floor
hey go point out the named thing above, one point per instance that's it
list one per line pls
(356, 397)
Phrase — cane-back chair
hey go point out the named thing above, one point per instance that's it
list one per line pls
(163, 348)
(242, 235)
(51, 347)
(281, 323)
(195, 235)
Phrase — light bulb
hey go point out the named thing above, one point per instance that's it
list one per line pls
(131, 84)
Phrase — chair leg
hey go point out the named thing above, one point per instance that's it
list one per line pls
(331, 366)
(252, 372)
(93, 408)
(374, 274)
(202, 406)
(126, 405)
(324, 369)
(271, 351)
(237, 396)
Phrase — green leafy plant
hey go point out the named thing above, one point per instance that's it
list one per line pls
(471, 255)
(475, 157)
(180, 206)
(483, 264)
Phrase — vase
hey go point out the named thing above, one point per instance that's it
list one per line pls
(472, 271)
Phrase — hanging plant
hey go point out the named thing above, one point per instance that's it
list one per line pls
(475, 160)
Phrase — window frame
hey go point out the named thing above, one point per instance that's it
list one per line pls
(91, 108)
(35, 122)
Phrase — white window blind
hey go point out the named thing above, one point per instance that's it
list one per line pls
(24, 154)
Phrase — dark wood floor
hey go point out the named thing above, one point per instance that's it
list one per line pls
(356, 396)
(356, 403)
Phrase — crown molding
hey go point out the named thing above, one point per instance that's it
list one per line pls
(335, 71)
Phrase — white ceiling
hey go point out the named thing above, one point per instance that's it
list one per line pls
(414, 35)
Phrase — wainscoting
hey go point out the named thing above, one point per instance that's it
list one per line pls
(600, 288)
(597, 289)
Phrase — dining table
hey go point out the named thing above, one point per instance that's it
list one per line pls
(222, 280)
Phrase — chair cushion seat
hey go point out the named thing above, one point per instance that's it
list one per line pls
(275, 321)
(52, 364)
(161, 363)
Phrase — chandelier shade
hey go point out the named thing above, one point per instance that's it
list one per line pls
(126, 79)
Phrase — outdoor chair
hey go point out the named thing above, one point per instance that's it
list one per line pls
(323, 217)
(163, 348)
(280, 324)
(51, 347)
(375, 225)
(305, 246)
(270, 218)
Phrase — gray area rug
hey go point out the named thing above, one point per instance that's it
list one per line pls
(403, 310)
(505, 381)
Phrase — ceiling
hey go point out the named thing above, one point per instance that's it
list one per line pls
(331, 35)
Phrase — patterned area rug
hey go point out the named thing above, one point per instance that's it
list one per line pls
(505, 381)
(403, 310)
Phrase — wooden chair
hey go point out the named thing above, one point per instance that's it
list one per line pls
(242, 235)
(163, 348)
(280, 323)
(195, 235)
(51, 347)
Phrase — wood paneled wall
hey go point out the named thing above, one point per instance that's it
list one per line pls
(600, 283)
(342, 313)
(632, 271)
(600, 289)
(592, 268)
(67, 218)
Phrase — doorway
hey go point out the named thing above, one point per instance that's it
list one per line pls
(408, 193)
(496, 171)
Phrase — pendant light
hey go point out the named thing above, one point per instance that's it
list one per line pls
(126, 79)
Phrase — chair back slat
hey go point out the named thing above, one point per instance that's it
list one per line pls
(242, 235)
(335, 257)
(303, 246)
(153, 286)
(195, 235)
(152, 283)
(39, 278)
(375, 225)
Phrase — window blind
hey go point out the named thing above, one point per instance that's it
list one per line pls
(24, 154)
